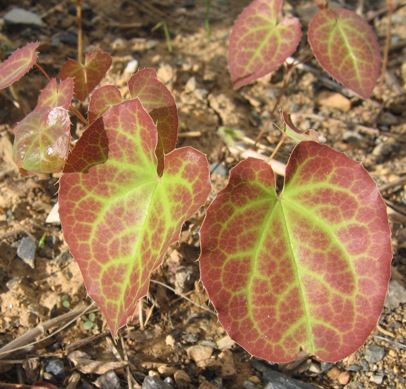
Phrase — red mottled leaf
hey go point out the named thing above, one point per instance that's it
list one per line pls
(88, 76)
(101, 100)
(42, 139)
(18, 64)
(160, 104)
(54, 95)
(307, 269)
(347, 48)
(120, 217)
(258, 43)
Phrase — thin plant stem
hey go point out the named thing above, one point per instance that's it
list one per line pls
(206, 18)
(390, 5)
(164, 26)
(278, 146)
(80, 31)
(43, 71)
(77, 113)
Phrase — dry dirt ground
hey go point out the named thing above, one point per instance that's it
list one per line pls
(180, 342)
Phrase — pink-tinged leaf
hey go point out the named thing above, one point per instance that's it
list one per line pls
(18, 64)
(120, 217)
(88, 76)
(294, 133)
(346, 48)
(42, 139)
(54, 95)
(160, 104)
(258, 43)
(307, 269)
(101, 100)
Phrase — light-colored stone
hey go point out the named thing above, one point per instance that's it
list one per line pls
(333, 100)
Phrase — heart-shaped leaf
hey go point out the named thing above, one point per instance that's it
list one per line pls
(160, 104)
(42, 140)
(346, 48)
(258, 43)
(88, 76)
(101, 100)
(54, 95)
(120, 217)
(307, 269)
(18, 64)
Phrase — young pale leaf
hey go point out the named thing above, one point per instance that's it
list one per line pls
(258, 43)
(42, 139)
(119, 217)
(160, 104)
(56, 96)
(304, 270)
(346, 48)
(88, 76)
(101, 100)
(18, 64)
(294, 133)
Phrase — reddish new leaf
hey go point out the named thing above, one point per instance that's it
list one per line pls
(41, 141)
(160, 104)
(346, 48)
(307, 269)
(88, 76)
(101, 100)
(18, 64)
(54, 95)
(119, 217)
(258, 43)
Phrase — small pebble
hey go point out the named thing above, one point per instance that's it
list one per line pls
(170, 341)
(199, 353)
(131, 67)
(154, 383)
(374, 353)
(21, 16)
(182, 378)
(109, 380)
(344, 378)
(56, 368)
(334, 373)
(26, 251)
(377, 379)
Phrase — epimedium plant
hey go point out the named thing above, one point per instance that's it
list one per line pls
(303, 269)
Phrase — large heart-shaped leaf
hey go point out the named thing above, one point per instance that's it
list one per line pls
(88, 76)
(119, 217)
(307, 269)
(258, 43)
(42, 140)
(347, 48)
(18, 64)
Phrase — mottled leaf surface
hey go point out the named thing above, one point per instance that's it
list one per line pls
(101, 100)
(307, 269)
(347, 48)
(160, 104)
(259, 44)
(54, 95)
(18, 64)
(120, 217)
(88, 76)
(41, 141)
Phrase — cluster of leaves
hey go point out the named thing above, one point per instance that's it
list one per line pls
(304, 269)
(343, 43)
